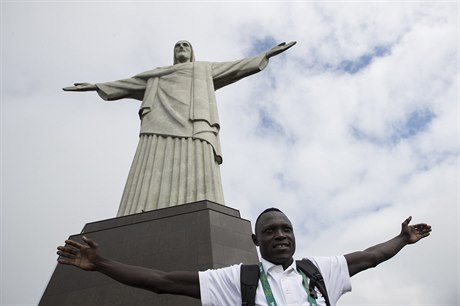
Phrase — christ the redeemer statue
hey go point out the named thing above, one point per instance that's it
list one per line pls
(178, 156)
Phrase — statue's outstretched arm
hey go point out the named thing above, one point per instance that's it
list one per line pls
(279, 49)
(81, 87)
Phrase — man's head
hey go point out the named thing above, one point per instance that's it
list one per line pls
(183, 52)
(274, 236)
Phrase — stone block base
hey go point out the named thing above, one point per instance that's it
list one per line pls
(192, 237)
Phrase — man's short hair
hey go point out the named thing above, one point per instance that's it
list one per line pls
(264, 212)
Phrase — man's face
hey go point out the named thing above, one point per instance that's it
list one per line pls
(275, 238)
(182, 51)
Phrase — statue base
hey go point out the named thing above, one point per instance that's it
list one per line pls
(191, 237)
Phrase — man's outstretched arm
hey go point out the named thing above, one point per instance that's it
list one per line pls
(371, 257)
(87, 258)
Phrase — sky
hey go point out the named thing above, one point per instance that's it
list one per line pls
(349, 132)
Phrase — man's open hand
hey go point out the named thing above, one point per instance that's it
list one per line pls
(79, 255)
(414, 233)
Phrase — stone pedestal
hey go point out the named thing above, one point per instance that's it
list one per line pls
(192, 237)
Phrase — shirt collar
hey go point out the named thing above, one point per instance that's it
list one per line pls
(270, 267)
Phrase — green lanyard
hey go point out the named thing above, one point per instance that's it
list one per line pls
(268, 291)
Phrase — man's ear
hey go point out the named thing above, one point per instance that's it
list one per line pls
(254, 239)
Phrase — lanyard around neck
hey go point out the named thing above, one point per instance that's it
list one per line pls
(268, 291)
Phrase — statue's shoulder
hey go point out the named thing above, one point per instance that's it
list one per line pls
(155, 72)
(203, 63)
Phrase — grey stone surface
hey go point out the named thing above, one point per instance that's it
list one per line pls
(194, 236)
(178, 156)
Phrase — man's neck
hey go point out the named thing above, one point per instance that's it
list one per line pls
(285, 264)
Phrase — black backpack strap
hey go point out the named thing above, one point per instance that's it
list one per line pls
(249, 278)
(316, 279)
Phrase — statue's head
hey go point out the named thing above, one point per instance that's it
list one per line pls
(183, 52)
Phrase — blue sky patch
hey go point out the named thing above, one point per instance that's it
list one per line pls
(375, 207)
(415, 123)
(268, 123)
(268, 126)
(356, 65)
(262, 45)
(361, 135)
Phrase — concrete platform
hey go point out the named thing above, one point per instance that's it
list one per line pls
(192, 237)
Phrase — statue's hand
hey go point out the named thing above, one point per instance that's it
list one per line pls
(81, 87)
(280, 48)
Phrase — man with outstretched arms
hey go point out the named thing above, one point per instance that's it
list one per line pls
(280, 281)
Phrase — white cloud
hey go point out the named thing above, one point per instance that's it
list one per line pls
(65, 156)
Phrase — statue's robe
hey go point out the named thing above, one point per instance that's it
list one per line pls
(178, 155)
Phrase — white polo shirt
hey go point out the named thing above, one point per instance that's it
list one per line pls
(221, 287)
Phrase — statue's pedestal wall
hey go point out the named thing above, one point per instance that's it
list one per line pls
(192, 237)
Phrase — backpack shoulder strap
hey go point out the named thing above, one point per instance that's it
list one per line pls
(316, 279)
(249, 278)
